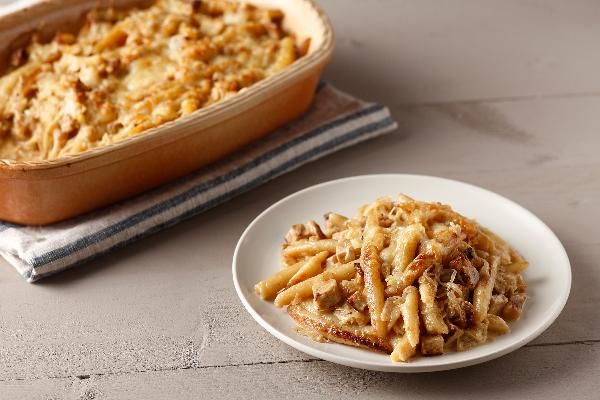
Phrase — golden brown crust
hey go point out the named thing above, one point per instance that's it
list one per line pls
(338, 333)
(130, 70)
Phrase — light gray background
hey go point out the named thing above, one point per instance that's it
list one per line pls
(502, 94)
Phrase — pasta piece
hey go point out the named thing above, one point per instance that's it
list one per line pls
(403, 247)
(483, 291)
(116, 37)
(334, 223)
(403, 350)
(392, 311)
(303, 47)
(309, 248)
(313, 266)
(497, 325)
(373, 233)
(303, 290)
(521, 285)
(410, 315)
(430, 312)
(501, 248)
(485, 243)
(410, 274)
(371, 266)
(374, 289)
(517, 267)
(287, 54)
(267, 289)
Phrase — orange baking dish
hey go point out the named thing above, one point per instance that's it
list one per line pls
(43, 192)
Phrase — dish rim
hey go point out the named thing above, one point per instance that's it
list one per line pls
(400, 367)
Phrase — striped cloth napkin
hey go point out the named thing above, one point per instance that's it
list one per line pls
(334, 121)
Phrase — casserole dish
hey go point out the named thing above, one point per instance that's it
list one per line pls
(43, 192)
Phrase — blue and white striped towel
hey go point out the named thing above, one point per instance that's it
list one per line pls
(335, 120)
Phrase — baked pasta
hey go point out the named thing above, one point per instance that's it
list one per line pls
(129, 70)
(403, 277)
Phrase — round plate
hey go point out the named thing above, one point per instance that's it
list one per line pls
(257, 256)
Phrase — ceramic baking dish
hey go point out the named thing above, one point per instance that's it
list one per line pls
(43, 192)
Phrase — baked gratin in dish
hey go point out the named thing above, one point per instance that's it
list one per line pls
(404, 277)
(129, 70)
(106, 99)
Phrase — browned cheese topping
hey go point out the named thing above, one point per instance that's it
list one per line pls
(128, 71)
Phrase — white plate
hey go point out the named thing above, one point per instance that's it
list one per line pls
(548, 277)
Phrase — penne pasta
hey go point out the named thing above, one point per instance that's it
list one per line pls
(497, 325)
(410, 315)
(406, 242)
(116, 37)
(403, 277)
(430, 311)
(517, 267)
(371, 265)
(304, 289)
(311, 267)
(267, 289)
(392, 311)
(374, 291)
(309, 248)
(483, 291)
(403, 350)
(411, 273)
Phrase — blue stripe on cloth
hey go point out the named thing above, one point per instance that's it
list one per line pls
(135, 219)
(290, 164)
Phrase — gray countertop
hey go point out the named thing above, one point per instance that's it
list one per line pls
(502, 94)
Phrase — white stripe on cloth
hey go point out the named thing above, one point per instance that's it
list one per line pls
(335, 121)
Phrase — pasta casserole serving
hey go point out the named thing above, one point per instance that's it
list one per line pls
(130, 70)
(403, 277)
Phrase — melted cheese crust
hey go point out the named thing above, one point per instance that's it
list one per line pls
(127, 71)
